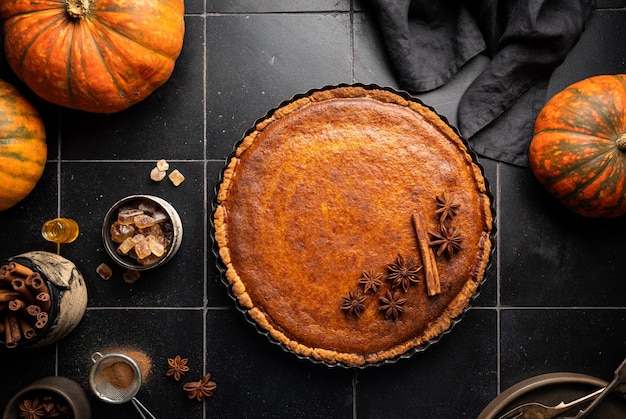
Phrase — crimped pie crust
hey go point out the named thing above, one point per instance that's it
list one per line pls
(324, 189)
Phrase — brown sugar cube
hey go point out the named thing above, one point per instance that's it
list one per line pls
(120, 232)
(131, 276)
(156, 247)
(157, 175)
(126, 216)
(126, 246)
(160, 216)
(149, 260)
(143, 221)
(163, 165)
(147, 207)
(104, 271)
(143, 249)
(176, 177)
(153, 230)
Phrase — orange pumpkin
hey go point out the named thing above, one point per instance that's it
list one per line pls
(94, 55)
(23, 148)
(578, 151)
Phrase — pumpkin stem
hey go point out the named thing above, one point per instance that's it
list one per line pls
(621, 142)
(77, 8)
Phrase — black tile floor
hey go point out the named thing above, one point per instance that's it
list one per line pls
(554, 298)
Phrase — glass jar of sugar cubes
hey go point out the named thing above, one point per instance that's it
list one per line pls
(142, 232)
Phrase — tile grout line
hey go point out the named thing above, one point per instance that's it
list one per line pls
(59, 161)
(205, 203)
(58, 168)
(498, 281)
(352, 41)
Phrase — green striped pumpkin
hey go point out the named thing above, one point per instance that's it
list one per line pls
(578, 151)
(23, 148)
(94, 55)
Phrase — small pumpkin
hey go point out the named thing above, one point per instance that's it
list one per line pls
(578, 151)
(23, 148)
(94, 55)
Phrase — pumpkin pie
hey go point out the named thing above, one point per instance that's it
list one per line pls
(353, 225)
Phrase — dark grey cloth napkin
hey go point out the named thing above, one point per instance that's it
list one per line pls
(428, 41)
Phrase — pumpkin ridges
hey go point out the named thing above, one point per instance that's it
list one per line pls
(578, 151)
(82, 46)
(588, 106)
(599, 196)
(68, 69)
(546, 144)
(18, 63)
(33, 35)
(167, 46)
(28, 171)
(583, 117)
(598, 169)
(154, 28)
(12, 8)
(109, 44)
(105, 76)
(23, 149)
(613, 114)
(567, 185)
(8, 198)
(568, 182)
(23, 157)
(170, 56)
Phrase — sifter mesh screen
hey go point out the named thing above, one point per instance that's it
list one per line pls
(115, 378)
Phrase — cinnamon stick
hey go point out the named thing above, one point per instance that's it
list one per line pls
(2, 327)
(6, 295)
(5, 275)
(36, 282)
(8, 278)
(43, 300)
(33, 310)
(8, 337)
(20, 269)
(16, 305)
(19, 285)
(433, 285)
(42, 320)
(28, 331)
(10, 321)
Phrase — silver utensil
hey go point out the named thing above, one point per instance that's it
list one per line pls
(535, 410)
(109, 392)
(620, 377)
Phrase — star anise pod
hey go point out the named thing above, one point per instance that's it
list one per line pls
(392, 304)
(31, 409)
(371, 281)
(403, 273)
(200, 389)
(448, 240)
(353, 303)
(178, 367)
(446, 207)
(49, 405)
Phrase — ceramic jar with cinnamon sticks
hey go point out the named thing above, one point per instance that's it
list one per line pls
(42, 298)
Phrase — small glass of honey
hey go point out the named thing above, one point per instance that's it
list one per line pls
(60, 230)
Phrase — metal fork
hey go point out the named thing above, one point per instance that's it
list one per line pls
(620, 377)
(535, 410)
